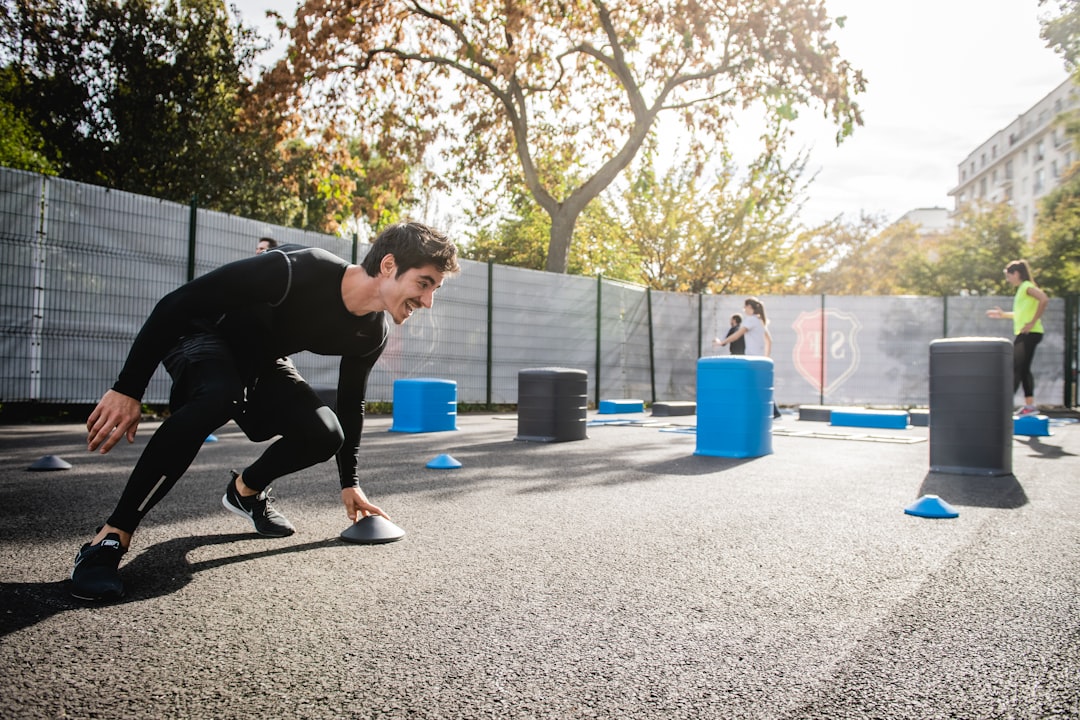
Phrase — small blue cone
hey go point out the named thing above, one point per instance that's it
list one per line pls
(931, 506)
(50, 462)
(444, 462)
(211, 438)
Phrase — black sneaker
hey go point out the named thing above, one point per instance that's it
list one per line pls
(95, 575)
(259, 509)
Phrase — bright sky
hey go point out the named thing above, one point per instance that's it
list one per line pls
(943, 76)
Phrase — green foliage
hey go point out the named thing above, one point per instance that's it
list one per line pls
(547, 91)
(862, 256)
(970, 257)
(898, 259)
(21, 147)
(150, 97)
(160, 97)
(1061, 30)
(519, 238)
(731, 232)
(1055, 254)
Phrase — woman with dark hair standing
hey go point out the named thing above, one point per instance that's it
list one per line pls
(755, 331)
(1029, 304)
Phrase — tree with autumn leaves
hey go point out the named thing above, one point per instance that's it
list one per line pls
(164, 98)
(538, 91)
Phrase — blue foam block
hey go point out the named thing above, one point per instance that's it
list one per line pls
(424, 405)
(896, 419)
(1031, 425)
(621, 406)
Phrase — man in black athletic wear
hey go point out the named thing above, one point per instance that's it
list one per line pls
(224, 338)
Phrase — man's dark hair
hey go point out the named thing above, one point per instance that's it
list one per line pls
(413, 245)
(271, 243)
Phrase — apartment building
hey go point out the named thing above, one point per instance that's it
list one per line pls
(1023, 161)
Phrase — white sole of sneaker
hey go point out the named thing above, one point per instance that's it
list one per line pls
(231, 508)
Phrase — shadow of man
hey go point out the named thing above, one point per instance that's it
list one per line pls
(158, 570)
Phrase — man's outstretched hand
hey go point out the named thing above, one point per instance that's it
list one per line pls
(115, 416)
(357, 505)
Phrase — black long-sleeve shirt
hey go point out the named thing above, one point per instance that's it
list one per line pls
(266, 307)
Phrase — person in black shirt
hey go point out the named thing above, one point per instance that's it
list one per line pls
(738, 345)
(224, 338)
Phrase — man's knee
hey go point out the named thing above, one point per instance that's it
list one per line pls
(329, 435)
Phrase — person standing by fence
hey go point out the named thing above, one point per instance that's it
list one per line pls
(222, 337)
(738, 345)
(1029, 304)
(754, 329)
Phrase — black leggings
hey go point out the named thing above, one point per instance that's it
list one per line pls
(1023, 353)
(208, 393)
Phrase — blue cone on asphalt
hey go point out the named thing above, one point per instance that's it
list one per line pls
(931, 506)
(444, 462)
(50, 462)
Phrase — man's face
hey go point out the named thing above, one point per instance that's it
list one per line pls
(262, 247)
(414, 289)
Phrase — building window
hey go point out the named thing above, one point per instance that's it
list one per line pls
(1008, 170)
(1040, 150)
(1040, 181)
(1054, 172)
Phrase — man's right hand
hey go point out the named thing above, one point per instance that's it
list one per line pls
(115, 416)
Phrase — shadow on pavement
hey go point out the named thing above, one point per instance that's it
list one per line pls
(158, 570)
(1044, 450)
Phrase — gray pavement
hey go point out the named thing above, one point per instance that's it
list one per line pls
(620, 576)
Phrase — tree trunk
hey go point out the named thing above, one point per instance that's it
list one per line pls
(562, 231)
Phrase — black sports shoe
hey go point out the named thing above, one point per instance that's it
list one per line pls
(259, 509)
(95, 575)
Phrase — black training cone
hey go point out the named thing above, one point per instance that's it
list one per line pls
(372, 530)
(50, 462)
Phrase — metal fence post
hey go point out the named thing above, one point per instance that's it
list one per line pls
(599, 324)
(652, 354)
(1072, 349)
(193, 218)
(490, 324)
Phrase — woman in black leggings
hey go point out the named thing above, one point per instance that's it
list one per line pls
(1029, 304)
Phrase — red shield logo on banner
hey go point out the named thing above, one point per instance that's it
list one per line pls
(826, 352)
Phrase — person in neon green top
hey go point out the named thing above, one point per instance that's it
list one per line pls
(1029, 304)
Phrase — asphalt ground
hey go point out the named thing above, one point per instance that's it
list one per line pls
(621, 576)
